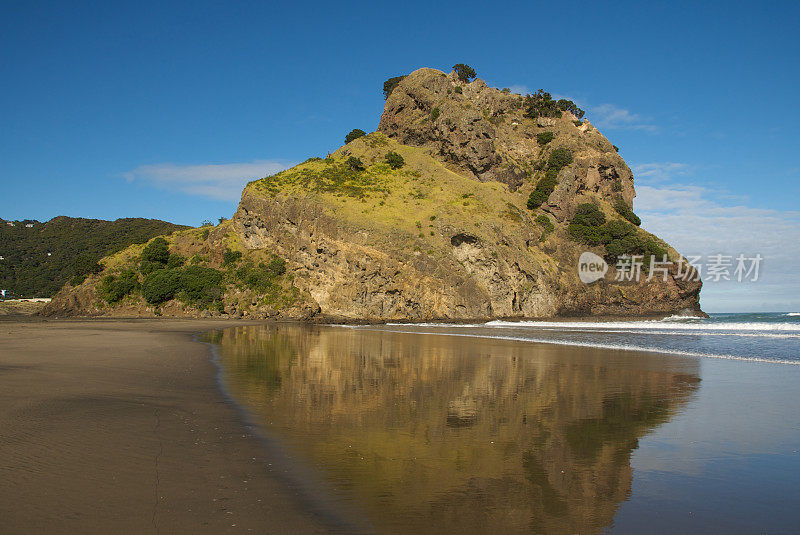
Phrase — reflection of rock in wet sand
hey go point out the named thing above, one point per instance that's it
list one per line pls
(433, 433)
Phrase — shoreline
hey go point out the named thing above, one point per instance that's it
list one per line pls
(102, 433)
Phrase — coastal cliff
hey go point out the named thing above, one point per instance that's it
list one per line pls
(468, 202)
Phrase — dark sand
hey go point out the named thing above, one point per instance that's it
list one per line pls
(120, 427)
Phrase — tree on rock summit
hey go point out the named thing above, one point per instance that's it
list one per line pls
(464, 72)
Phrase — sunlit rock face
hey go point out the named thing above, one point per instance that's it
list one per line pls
(432, 433)
(448, 235)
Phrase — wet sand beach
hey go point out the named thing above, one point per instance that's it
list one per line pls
(120, 427)
(129, 426)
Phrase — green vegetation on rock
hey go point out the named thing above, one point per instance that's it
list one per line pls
(230, 258)
(547, 226)
(354, 163)
(390, 85)
(161, 285)
(559, 158)
(354, 134)
(196, 285)
(38, 260)
(200, 285)
(544, 137)
(541, 104)
(157, 250)
(464, 72)
(589, 226)
(394, 160)
(261, 277)
(625, 211)
(114, 287)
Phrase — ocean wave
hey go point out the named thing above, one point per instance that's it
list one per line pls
(596, 345)
(648, 325)
(618, 328)
(666, 326)
(792, 314)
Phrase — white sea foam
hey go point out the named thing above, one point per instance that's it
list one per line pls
(622, 326)
(793, 314)
(620, 347)
(651, 325)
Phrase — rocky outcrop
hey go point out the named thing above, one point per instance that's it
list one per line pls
(446, 237)
(354, 272)
(483, 131)
(357, 274)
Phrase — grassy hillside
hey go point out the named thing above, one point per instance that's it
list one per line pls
(39, 259)
(416, 199)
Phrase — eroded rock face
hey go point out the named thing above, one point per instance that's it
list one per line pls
(472, 159)
(481, 130)
(352, 274)
(358, 275)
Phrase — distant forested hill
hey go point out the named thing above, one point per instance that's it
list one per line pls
(38, 258)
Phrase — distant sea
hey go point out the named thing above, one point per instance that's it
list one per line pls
(761, 337)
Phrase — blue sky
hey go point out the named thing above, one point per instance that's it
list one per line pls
(164, 109)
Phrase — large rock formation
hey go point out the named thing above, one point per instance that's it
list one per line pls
(448, 235)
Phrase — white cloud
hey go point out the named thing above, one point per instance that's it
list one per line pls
(604, 116)
(520, 89)
(659, 171)
(217, 181)
(697, 221)
(610, 116)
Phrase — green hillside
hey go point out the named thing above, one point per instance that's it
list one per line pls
(38, 258)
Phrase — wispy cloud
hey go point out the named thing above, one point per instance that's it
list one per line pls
(217, 181)
(604, 116)
(520, 89)
(610, 116)
(659, 171)
(698, 221)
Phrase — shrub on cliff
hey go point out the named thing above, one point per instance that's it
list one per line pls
(354, 134)
(625, 211)
(200, 285)
(543, 189)
(231, 257)
(589, 226)
(394, 160)
(390, 85)
(547, 226)
(586, 226)
(156, 251)
(354, 163)
(545, 137)
(560, 158)
(464, 72)
(146, 267)
(261, 278)
(160, 285)
(540, 104)
(568, 105)
(545, 222)
(175, 261)
(115, 287)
